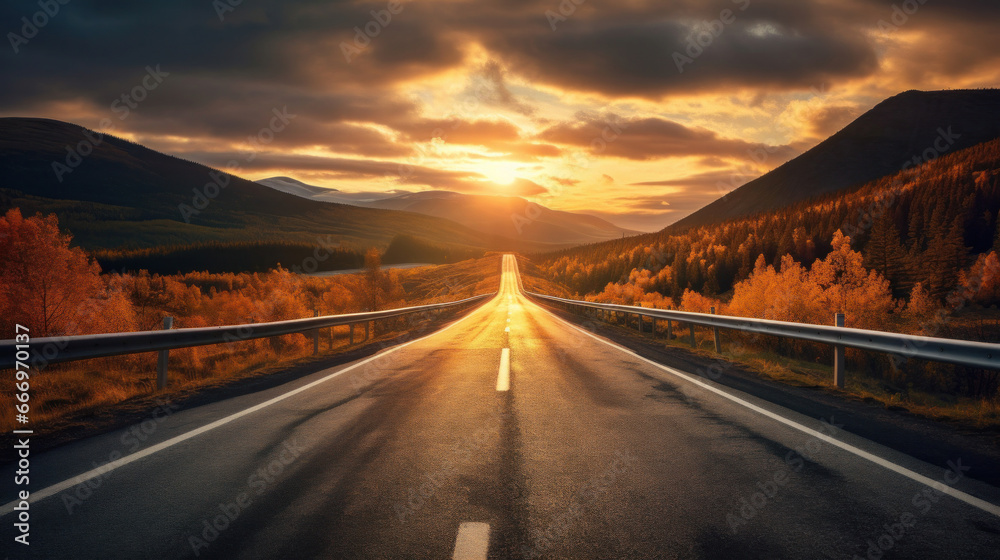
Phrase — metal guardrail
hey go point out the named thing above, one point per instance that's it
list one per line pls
(961, 352)
(82, 347)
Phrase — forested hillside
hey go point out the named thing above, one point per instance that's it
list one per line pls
(927, 225)
(911, 127)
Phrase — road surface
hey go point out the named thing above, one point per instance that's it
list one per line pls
(508, 434)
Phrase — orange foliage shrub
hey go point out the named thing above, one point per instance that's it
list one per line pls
(787, 295)
(697, 303)
(840, 283)
(981, 283)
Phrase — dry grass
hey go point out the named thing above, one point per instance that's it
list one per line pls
(977, 414)
(535, 281)
(75, 394)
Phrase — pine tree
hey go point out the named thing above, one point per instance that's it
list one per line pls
(680, 274)
(916, 234)
(885, 254)
(945, 257)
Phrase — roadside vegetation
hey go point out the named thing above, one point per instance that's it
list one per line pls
(56, 289)
(916, 253)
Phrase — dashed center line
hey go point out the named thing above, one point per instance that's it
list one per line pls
(503, 378)
(472, 542)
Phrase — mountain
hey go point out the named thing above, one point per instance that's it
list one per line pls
(323, 194)
(298, 188)
(115, 194)
(503, 216)
(899, 132)
(924, 225)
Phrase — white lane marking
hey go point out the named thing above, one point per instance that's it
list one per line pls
(40, 495)
(507, 329)
(472, 542)
(503, 378)
(937, 485)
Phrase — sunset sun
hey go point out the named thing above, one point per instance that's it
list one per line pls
(502, 173)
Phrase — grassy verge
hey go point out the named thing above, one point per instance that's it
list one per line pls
(535, 281)
(968, 413)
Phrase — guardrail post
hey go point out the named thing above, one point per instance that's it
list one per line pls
(368, 330)
(670, 329)
(694, 343)
(161, 364)
(315, 335)
(352, 333)
(638, 321)
(652, 325)
(838, 355)
(715, 331)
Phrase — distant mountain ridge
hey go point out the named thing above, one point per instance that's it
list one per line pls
(901, 131)
(121, 194)
(504, 216)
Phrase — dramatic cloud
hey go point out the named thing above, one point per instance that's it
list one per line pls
(830, 119)
(650, 138)
(542, 98)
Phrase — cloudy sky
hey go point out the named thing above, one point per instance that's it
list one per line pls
(639, 111)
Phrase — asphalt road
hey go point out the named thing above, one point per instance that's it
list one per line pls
(434, 449)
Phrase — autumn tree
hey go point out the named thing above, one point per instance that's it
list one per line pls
(46, 284)
(848, 287)
(837, 283)
(981, 283)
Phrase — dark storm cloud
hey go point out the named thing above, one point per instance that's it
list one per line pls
(226, 75)
(620, 52)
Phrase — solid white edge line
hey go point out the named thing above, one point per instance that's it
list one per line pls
(108, 467)
(472, 541)
(988, 507)
(503, 377)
